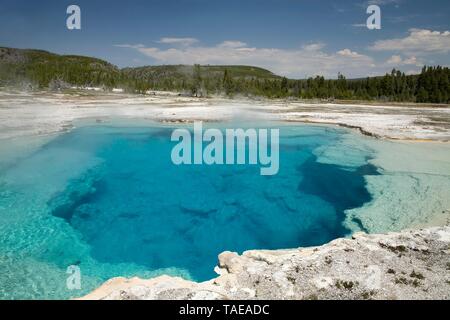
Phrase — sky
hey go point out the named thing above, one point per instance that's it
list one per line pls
(294, 38)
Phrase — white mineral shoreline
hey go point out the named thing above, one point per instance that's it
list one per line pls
(38, 113)
(396, 266)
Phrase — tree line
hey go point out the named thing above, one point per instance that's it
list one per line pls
(432, 85)
(40, 69)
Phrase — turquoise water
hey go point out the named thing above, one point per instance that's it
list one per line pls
(109, 200)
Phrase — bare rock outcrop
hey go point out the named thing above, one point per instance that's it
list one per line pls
(413, 264)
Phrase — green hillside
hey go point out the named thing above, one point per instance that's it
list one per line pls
(187, 72)
(199, 80)
(37, 68)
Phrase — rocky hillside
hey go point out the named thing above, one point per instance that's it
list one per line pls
(406, 265)
(37, 68)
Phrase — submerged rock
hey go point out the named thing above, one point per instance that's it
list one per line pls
(412, 264)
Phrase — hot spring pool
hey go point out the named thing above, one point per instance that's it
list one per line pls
(109, 200)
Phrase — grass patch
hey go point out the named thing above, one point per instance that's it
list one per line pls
(348, 285)
(417, 275)
(390, 271)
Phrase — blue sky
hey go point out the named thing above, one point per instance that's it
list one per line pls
(296, 38)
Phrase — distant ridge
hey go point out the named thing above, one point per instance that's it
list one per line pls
(207, 71)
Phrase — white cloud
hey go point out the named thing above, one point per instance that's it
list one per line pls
(349, 53)
(394, 60)
(314, 46)
(132, 46)
(397, 60)
(178, 41)
(232, 44)
(309, 60)
(413, 60)
(419, 41)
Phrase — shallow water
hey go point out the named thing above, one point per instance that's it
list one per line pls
(109, 200)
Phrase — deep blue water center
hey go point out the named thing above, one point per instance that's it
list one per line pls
(129, 205)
